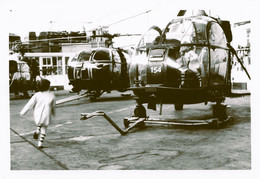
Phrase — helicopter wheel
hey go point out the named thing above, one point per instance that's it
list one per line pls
(215, 124)
(98, 93)
(178, 106)
(92, 98)
(140, 111)
(95, 96)
(219, 111)
(126, 123)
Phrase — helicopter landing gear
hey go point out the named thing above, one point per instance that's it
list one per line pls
(139, 112)
(178, 107)
(219, 112)
(94, 95)
(75, 89)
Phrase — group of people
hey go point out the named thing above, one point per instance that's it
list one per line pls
(22, 75)
(190, 64)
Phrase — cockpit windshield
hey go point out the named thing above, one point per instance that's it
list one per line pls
(182, 31)
(81, 57)
(102, 55)
(84, 56)
(186, 31)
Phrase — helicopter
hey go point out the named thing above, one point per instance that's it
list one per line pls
(188, 62)
(96, 70)
(101, 69)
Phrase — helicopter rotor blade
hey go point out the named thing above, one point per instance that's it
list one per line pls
(52, 39)
(181, 13)
(240, 61)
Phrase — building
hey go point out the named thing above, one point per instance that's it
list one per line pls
(241, 42)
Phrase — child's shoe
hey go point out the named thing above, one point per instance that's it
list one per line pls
(40, 145)
(35, 135)
(37, 132)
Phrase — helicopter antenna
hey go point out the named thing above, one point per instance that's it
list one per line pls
(146, 12)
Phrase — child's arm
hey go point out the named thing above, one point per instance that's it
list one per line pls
(29, 105)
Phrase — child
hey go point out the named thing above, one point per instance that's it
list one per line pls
(43, 104)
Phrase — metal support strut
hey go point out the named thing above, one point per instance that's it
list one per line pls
(71, 98)
(85, 116)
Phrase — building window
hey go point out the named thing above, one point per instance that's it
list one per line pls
(52, 66)
(46, 66)
(57, 65)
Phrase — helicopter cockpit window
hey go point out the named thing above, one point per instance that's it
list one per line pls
(83, 56)
(157, 54)
(201, 33)
(102, 55)
(183, 31)
(152, 36)
(73, 59)
(217, 35)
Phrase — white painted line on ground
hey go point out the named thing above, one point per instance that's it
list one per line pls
(119, 110)
(27, 133)
(81, 138)
(69, 122)
(58, 125)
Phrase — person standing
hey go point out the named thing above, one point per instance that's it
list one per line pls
(34, 71)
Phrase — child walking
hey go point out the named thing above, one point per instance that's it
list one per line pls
(43, 104)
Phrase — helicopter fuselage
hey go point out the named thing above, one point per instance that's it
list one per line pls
(104, 69)
(189, 63)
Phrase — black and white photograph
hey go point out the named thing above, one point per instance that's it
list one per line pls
(112, 88)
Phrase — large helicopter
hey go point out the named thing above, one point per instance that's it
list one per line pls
(96, 70)
(187, 62)
(100, 69)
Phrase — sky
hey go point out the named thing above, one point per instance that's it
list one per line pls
(23, 16)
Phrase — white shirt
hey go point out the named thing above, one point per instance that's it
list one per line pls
(44, 105)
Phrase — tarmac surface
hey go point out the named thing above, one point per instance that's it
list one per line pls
(93, 144)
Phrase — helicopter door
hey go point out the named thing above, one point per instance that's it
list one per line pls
(102, 65)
